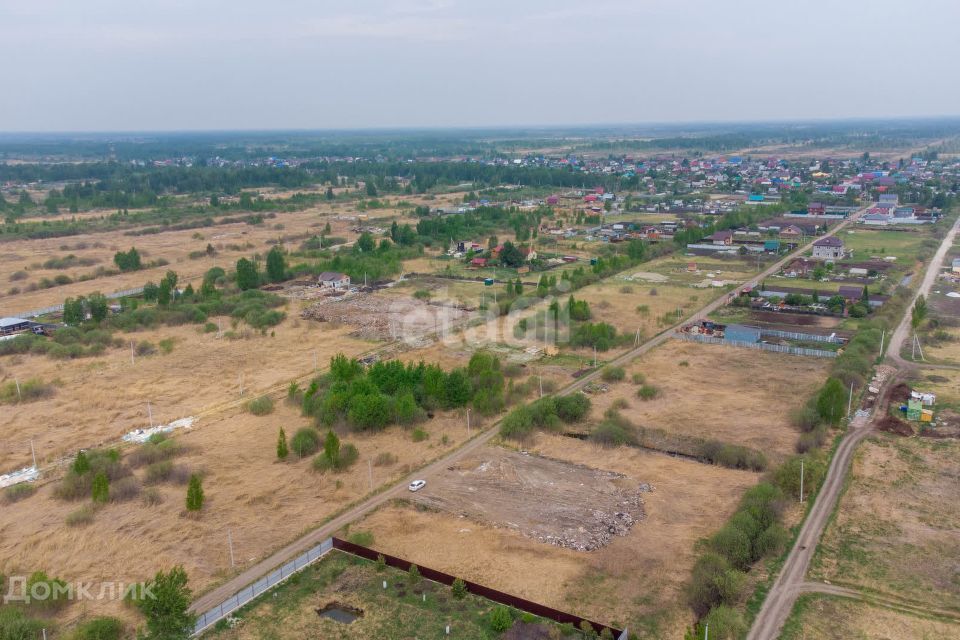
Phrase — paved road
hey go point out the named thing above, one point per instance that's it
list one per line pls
(224, 591)
(782, 595)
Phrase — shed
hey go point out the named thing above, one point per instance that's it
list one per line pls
(10, 326)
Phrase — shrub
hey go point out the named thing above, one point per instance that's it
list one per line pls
(572, 408)
(771, 541)
(413, 575)
(647, 392)
(31, 390)
(282, 450)
(305, 442)
(53, 592)
(419, 435)
(151, 497)
(613, 374)
(145, 348)
(638, 378)
(124, 489)
(813, 440)
(500, 619)
(384, 459)
(787, 475)
(103, 628)
(587, 629)
(726, 623)
(517, 424)
(610, 433)
(619, 404)
(157, 449)
(100, 489)
(714, 582)
(458, 589)
(362, 538)
(18, 492)
(166, 345)
(80, 517)
(260, 406)
(381, 562)
(734, 543)
(344, 460)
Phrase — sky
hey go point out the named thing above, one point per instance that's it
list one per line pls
(139, 65)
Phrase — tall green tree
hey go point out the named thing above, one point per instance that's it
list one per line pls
(831, 401)
(282, 450)
(276, 264)
(195, 493)
(98, 307)
(166, 609)
(331, 447)
(366, 243)
(73, 311)
(247, 275)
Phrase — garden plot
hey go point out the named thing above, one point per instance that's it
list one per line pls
(577, 507)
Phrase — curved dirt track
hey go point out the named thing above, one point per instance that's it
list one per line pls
(782, 595)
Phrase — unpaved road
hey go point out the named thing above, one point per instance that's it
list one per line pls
(216, 596)
(782, 595)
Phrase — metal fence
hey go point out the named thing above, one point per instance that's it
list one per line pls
(805, 337)
(59, 307)
(762, 346)
(248, 593)
(494, 595)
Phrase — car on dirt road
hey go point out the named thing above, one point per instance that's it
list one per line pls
(416, 485)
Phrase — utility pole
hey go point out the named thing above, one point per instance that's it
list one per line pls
(150, 414)
(594, 357)
(19, 397)
(468, 422)
(883, 334)
(230, 543)
(706, 632)
(33, 452)
(241, 384)
(850, 401)
(131, 352)
(801, 480)
(540, 377)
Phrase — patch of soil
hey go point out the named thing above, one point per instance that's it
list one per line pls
(900, 393)
(528, 631)
(895, 425)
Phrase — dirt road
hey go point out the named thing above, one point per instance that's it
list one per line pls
(782, 595)
(262, 568)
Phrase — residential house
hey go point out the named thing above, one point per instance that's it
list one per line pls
(791, 233)
(721, 237)
(334, 280)
(829, 248)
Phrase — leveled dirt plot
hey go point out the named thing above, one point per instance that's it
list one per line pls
(895, 529)
(97, 400)
(379, 317)
(261, 502)
(740, 396)
(818, 617)
(578, 507)
(635, 580)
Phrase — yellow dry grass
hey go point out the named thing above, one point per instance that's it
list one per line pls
(740, 396)
(827, 618)
(897, 522)
(635, 580)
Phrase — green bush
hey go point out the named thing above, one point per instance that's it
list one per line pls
(518, 424)
(714, 582)
(15, 625)
(362, 538)
(613, 374)
(305, 442)
(157, 449)
(55, 590)
(31, 390)
(260, 406)
(573, 407)
(102, 628)
(610, 433)
(344, 460)
(419, 435)
(638, 378)
(647, 392)
(458, 589)
(166, 345)
(500, 619)
(726, 623)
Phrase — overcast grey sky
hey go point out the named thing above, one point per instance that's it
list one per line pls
(110, 65)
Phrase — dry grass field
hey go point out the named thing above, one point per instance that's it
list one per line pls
(895, 530)
(817, 617)
(740, 396)
(635, 580)
(97, 400)
(261, 502)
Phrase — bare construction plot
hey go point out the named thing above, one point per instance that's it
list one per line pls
(575, 506)
(385, 318)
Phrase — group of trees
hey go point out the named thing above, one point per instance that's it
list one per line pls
(76, 311)
(128, 260)
(393, 393)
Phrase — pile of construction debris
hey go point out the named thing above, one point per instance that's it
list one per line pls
(379, 317)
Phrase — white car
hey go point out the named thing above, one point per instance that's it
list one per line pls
(416, 485)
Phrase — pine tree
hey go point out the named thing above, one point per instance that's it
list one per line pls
(100, 490)
(194, 494)
(282, 450)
